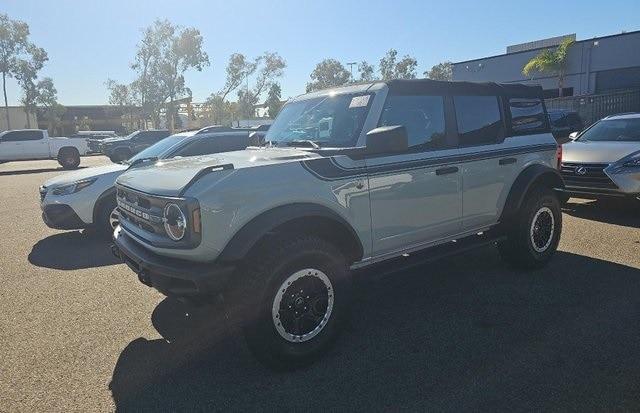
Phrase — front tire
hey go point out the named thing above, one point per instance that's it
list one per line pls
(534, 234)
(302, 289)
(107, 218)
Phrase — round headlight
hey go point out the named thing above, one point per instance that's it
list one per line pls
(175, 223)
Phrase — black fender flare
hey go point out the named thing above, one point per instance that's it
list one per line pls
(253, 231)
(103, 197)
(528, 178)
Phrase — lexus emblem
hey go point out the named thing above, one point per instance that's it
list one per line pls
(581, 170)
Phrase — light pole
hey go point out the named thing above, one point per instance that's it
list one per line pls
(351, 64)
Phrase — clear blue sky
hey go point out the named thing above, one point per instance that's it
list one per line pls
(90, 41)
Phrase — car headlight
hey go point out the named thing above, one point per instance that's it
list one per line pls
(175, 222)
(74, 187)
(633, 163)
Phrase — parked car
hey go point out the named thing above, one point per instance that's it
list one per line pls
(604, 160)
(121, 149)
(563, 123)
(94, 138)
(30, 144)
(86, 198)
(405, 168)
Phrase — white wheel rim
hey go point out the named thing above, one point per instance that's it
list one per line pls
(114, 218)
(281, 311)
(542, 229)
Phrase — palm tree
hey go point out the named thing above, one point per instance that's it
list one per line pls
(551, 61)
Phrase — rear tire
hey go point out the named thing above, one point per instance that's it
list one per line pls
(105, 221)
(301, 290)
(69, 158)
(534, 233)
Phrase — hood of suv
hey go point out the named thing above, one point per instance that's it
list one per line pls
(169, 177)
(597, 152)
(85, 173)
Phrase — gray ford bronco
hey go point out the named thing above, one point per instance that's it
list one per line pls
(370, 176)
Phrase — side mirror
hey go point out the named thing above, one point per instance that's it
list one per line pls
(387, 139)
(573, 135)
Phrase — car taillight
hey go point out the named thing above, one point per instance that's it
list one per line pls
(559, 156)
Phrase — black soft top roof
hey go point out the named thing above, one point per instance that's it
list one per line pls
(428, 86)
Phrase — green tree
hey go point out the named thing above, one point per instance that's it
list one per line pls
(552, 62)
(14, 45)
(327, 74)
(164, 54)
(127, 98)
(239, 68)
(219, 111)
(49, 109)
(274, 102)
(366, 71)
(441, 71)
(390, 68)
(26, 73)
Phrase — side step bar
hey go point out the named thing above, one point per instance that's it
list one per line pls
(418, 258)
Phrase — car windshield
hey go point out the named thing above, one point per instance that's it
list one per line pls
(619, 130)
(158, 149)
(328, 121)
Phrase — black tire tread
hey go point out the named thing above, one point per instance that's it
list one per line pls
(515, 250)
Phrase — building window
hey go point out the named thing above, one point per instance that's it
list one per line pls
(479, 120)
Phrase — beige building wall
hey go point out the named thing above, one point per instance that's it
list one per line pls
(17, 117)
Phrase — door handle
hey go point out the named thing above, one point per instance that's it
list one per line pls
(507, 161)
(447, 170)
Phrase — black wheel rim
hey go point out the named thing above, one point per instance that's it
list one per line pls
(303, 305)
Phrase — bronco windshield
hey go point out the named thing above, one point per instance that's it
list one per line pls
(326, 121)
(619, 130)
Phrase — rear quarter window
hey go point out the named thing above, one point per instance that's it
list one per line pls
(527, 116)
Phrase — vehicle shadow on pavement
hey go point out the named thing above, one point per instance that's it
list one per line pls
(36, 171)
(464, 333)
(72, 250)
(612, 211)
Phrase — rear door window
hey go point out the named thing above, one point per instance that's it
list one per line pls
(422, 116)
(527, 116)
(479, 120)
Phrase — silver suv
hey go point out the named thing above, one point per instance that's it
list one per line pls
(346, 179)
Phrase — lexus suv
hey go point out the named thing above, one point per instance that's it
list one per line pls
(604, 160)
(365, 176)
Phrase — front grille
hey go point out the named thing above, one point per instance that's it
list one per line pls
(586, 175)
(142, 211)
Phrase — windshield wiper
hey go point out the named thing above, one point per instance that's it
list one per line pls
(304, 142)
(140, 160)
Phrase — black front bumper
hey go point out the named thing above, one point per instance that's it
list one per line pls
(59, 216)
(171, 276)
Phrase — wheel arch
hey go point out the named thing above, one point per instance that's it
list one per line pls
(101, 200)
(298, 217)
(532, 176)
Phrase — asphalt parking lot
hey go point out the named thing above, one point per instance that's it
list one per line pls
(79, 332)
